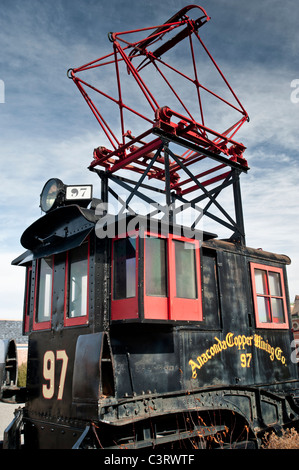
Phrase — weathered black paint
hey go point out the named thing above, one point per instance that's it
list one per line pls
(124, 372)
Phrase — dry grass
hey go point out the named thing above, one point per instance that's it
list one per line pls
(288, 440)
(22, 373)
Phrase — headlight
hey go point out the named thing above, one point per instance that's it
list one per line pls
(52, 194)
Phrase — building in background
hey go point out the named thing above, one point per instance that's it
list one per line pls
(12, 329)
(295, 317)
(295, 323)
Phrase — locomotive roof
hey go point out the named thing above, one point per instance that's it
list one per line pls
(67, 227)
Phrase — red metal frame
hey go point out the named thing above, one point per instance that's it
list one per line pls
(27, 299)
(170, 307)
(155, 308)
(183, 308)
(130, 59)
(125, 309)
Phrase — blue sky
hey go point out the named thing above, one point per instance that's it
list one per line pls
(47, 130)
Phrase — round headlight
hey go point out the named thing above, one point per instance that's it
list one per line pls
(52, 194)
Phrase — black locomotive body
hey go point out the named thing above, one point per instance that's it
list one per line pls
(151, 338)
(142, 331)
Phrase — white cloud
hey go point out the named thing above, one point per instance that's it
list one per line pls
(270, 200)
(12, 279)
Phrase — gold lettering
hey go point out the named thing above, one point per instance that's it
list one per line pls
(194, 366)
(229, 340)
(240, 342)
(199, 360)
(204, 358)
(272, 354)
(278, 352)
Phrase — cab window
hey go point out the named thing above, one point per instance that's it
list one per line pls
(124, 305)
(76, 288)
(156, 278)
(124, 260)
(269, 296)
(155, 266)
(185, 270)
(43, 300)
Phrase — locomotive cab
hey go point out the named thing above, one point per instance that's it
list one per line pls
(150, 310)
(155, 277)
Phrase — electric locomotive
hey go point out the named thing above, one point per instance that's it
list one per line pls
(145, 331)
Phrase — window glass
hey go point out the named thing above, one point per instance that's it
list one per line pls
(155, 267)
(124, 262)
(274, 282)
(44, 290)
(78, 281)
(185, 270)
(269, 296)
(260, 281)
(263, 309)
(277, 310)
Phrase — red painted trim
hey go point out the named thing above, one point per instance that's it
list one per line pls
(66, 290)
(125, 309)
(272, 324)
(181, 308)
(166, 308)
(173, 307)
(155, 308)
(27, 300)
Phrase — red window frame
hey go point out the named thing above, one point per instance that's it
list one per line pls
(169, 307)
(272, 324)
(172, 307)
(42, 325)
(127, 308)
(156, 307)
(27, 299)
(181, 308)
(84, 319)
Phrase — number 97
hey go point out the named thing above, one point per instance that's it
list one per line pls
(49, 373)
(245, 359)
